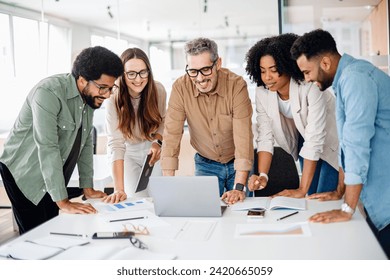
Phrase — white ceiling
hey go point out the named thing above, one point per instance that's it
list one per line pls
(154, 20)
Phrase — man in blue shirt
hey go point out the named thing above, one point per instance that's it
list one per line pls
(363, 126)
(51, 134)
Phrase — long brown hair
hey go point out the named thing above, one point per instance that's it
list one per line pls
(148, 115)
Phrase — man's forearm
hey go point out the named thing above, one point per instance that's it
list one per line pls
(241, 177)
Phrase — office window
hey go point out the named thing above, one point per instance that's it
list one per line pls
(26, 47)
(59, 54)
(6, 64)
(114, 44)
(30, 50)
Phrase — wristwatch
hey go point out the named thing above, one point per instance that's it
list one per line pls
(158, 142)
(347, 209)
(239, 187)
(263, 175)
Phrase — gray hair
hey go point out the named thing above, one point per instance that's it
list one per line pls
(201, 45)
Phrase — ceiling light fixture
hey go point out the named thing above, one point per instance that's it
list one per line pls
(109, 12)
(226, 21)
(205, 6)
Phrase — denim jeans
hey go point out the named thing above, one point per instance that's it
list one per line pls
(325, 178)
(383, 236)
(224, 171)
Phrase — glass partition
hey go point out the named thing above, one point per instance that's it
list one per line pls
(360, 27)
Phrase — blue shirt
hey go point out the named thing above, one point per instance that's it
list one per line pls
(363, 124)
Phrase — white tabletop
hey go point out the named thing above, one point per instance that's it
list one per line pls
(351, 240)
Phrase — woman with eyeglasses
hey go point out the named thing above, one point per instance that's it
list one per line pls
(134, 121)
(294, 114)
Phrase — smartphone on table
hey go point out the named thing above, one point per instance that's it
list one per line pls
(256, 213)
(112, 235)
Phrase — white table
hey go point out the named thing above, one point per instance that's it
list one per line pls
(351, 240)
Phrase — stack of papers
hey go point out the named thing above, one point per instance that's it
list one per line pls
(269, 230)
(42, 248)
(110, 252)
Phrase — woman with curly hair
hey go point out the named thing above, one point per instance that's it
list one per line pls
(293, 114)
(134, 121)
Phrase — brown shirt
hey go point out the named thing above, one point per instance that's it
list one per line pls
(219, 122)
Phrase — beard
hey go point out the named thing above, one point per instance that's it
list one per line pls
(91, 100)
(210, 85)
(324, 80)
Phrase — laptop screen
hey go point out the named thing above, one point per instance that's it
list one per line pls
(187, 196)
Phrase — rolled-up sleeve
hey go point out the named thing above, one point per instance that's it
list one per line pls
(265, 139)
(242, 128)
(115, 139)
(173, 129)
(162, 106)
(45, 107)
(315, 127)
(360, 101)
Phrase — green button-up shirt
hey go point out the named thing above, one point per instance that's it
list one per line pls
(42, 138)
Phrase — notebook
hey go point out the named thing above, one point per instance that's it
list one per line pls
(269, 203)
(146, 171)
(187, 196)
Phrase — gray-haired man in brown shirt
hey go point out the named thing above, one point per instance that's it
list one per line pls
(215, 102)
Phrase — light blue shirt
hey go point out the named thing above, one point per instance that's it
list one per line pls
(363, 124)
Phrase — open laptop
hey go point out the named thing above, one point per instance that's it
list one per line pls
(190, 196)
(144, 176)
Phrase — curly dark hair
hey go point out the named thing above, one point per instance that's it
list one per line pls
(92, 62)
(314, 43)
(279, 48)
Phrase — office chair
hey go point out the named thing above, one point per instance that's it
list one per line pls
(283, 173)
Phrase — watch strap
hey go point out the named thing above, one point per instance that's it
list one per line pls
(263, 175)
(158, 142)
(347, 209)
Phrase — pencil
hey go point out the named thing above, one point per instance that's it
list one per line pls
(128, 219)
(289, 215)
(68, 234)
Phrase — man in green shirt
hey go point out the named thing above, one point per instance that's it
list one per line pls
(51, 134)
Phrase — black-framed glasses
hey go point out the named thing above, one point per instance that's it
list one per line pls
(103, 89)
(131, 75)
(138, 243)
(205, 71)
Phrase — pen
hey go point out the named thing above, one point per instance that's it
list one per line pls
(128, 219)
(289, 215)
(68, 234)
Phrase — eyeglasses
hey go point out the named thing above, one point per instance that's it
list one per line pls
(138, 243)
(139, 229)
(103, 89)
(132, 75)
(205, 71)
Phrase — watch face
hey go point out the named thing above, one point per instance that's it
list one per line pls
(239, 187)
